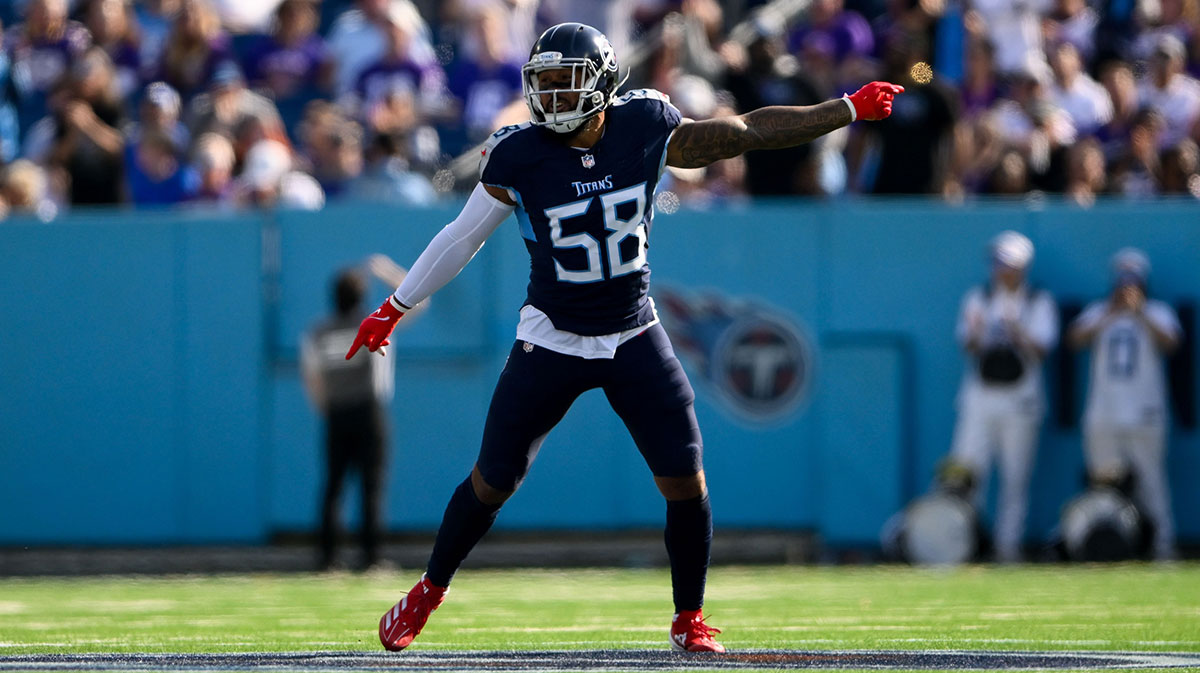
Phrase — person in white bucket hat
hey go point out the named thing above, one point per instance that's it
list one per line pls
(1006, 328)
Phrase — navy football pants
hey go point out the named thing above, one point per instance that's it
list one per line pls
(644, 383)
(355, 437)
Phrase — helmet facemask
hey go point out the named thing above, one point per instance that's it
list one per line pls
(585, 81)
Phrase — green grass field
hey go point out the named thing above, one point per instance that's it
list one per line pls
(1122, 607)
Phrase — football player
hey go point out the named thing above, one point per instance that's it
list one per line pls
(580, 176)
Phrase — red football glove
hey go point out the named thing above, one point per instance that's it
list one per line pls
(874, 101)
(375, 328)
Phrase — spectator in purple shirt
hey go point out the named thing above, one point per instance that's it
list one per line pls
(195, 47)
(358, 38)
(1118, 79)
(114, 29)
(847, 29)
(395, 74)
(42, 49)
(1074, 22)
(980, 87)
(292, 60)
(483, 85)
(1137, 172)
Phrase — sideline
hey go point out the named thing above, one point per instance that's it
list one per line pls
(604, 660)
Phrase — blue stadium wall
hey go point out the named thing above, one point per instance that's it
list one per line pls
(150, 391)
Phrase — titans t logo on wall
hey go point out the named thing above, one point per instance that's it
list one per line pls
(757, 360)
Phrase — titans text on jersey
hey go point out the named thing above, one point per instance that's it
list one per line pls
(582, 188)
(585, 214)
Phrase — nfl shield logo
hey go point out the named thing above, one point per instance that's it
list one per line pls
(589, 161)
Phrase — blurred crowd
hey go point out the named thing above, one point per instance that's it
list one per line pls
(295, 103)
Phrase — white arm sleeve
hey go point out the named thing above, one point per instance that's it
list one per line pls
(453, 247)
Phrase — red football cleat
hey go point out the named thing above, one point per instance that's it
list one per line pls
(689, 633)
(404, 621)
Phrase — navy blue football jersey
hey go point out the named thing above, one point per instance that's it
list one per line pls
(585, 214)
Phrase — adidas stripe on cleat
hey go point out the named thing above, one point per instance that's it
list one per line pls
(398, 626)
(689, 633)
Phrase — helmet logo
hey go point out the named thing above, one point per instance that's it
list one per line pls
(608, 57)
(548, 57)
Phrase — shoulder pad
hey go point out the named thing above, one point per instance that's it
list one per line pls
(494, 140)
(633, 94)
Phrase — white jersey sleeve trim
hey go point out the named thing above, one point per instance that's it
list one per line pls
(662, 162)
(453, 247)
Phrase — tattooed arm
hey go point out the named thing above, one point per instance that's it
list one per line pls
(696, 144)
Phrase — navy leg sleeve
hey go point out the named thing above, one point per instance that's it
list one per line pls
(648, 388)
(535, 390)
(689, 542)
(465, 522)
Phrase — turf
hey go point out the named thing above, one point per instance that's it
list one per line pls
(1135, 607)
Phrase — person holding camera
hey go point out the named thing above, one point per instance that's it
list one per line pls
(1125, 421)
(1006, 328)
